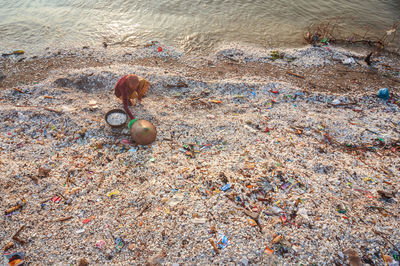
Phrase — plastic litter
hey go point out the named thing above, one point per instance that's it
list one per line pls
(14, 259)
(226, 187)
(222, 241)
(112, 193)
(100, 244)
(120, 244)
(384, 94)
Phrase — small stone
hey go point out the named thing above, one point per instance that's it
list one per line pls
(303, 213)
(385, 194)
(349, 61)
(83, 262)
(156, 259)
(2, 76)
(276, 210)
(253, 215)
(354, 259)
(131, 246)
(244, 262)
(80, 231)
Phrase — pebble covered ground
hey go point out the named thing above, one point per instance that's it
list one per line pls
(243, 171)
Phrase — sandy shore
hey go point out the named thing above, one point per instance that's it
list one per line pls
(290, 155)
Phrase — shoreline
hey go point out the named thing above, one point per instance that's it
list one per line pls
(307, 150)
(315, 68)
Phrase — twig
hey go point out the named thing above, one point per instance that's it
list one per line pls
(43, 201)
(101, 181)
(180, 84)
(38, 106)
(13, 209)
(63, 219)
(16, 235)
(8, 246)
(143, 209)
(381, 234)
(294, 74)
(383, 256)
(341, 104)
(34, 178)
(384, 237)
(62, 196)
(214, 245)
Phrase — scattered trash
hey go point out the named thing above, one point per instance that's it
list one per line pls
(14, 259)
(120, 244)
(276, 55)
(80, 231)
(252, 222)
(226, 187)
(93, 104)
(268, 251)
(100, 244)
(112, 193)
(306, 172)
(277, 239)
(199, 220)
(159, 49)
(389, 260)
(341, 209)
(56, 199)
(384, 94)
(8, 246)
(222, 241)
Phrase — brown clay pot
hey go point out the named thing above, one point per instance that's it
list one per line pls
(143, 132)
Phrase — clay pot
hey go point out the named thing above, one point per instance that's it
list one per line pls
(143, 132)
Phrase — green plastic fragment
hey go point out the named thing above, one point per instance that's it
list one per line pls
(131, 123)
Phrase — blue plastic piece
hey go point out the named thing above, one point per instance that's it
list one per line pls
(226, 187)
(384, 94)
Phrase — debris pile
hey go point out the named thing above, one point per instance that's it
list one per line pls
(252, 172)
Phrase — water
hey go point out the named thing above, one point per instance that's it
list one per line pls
(193, 26)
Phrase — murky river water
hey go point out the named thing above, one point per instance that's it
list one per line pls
(196, 25)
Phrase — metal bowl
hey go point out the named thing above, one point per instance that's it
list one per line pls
(121, 120)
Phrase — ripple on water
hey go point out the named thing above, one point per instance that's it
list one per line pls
(195, 25)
